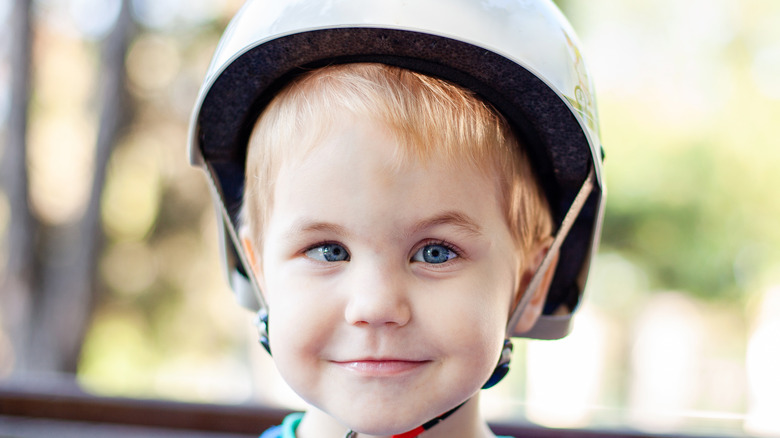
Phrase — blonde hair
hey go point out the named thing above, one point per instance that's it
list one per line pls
(430, 117)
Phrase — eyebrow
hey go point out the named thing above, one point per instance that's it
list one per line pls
(307, 226)
(459, 220)
(453, 218)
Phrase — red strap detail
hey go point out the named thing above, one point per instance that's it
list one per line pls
(418, 430)
(411, 434)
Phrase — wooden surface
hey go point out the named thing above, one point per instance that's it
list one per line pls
(33, 410)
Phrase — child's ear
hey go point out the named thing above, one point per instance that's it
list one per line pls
(535, 305)
(252, 256)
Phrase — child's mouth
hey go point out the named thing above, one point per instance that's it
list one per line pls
(382, 367)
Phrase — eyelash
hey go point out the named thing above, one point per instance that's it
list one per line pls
(443, 243)
(322, 243)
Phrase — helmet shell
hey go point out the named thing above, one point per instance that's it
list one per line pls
(520, 55)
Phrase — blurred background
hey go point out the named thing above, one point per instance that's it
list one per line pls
(109, 266)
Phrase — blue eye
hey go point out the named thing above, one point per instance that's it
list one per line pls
(329, 252)
(434, 254)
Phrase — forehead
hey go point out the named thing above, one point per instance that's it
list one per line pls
(357, 168)
(431, 119)
(355, 138)
(356, 146)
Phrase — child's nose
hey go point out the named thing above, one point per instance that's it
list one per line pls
(377, 297)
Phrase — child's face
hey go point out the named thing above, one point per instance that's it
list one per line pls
(388, 285)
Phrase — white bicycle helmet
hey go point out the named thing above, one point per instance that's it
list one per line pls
(519, 55)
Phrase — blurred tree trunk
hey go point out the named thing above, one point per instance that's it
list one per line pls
(69, 284)
(49, 283)
(17, 277)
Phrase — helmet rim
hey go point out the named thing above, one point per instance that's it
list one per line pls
(562, 146)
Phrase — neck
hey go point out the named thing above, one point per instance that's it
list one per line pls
(466, 422)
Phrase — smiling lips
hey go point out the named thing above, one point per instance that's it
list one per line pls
(382, 367)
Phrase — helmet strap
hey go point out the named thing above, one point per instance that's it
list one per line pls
(261, 323)
(563, 231)
(417, 430)
(502, 368)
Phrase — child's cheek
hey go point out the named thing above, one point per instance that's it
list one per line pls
(300, 314)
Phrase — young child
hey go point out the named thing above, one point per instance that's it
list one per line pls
(399, 201)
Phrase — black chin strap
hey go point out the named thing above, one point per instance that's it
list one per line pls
(502, 367)
(418, 430)
(261, 323)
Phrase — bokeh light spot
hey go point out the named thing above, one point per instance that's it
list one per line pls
(152, 63)
(133, 190)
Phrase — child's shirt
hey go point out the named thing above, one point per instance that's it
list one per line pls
(286, 429)
(290, 423)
